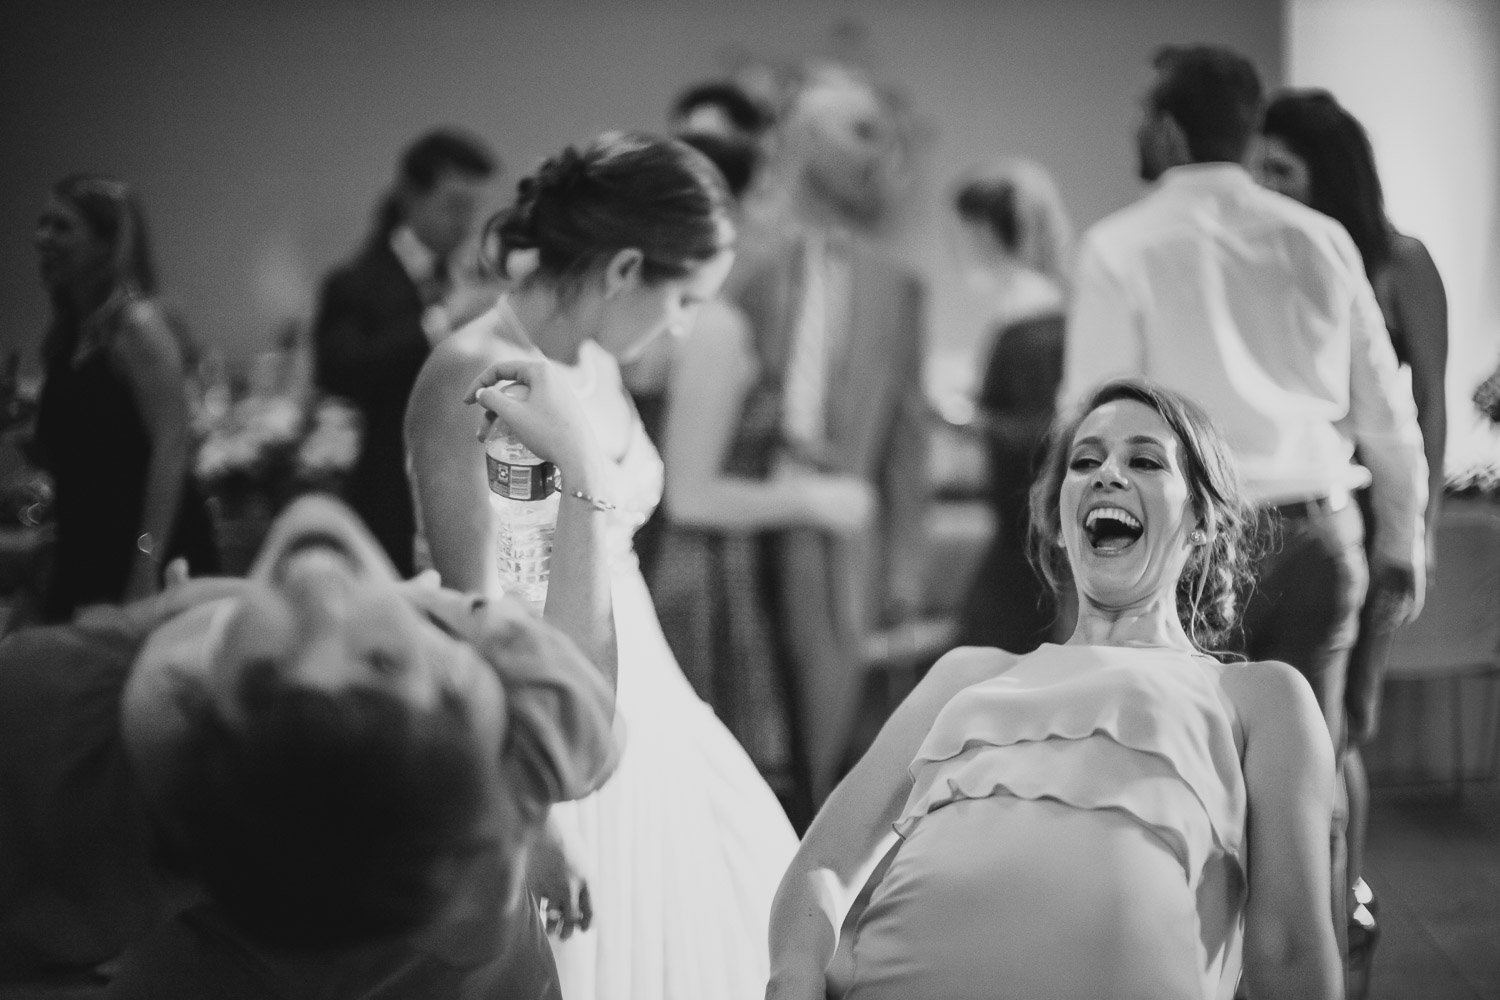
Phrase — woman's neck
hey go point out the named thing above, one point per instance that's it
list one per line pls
(1154, 624)
(552, 329)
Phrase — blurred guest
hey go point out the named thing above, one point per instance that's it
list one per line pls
(833, 388)
(1259, 307)
(1318, 153)
(381, 313)
(711, 583)
(728, 125)
(1016, 234)
(722, 108)
(609, 247)
(112, 424)
(1122, 815)
(347, 769)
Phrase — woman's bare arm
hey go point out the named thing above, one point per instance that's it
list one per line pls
(1290, 948)
(452, 492)
(1422, 307)
(712, 372)
(145, 354)
(447, 472)
(853, 828)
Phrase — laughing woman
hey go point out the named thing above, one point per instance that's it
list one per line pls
(1123, 815)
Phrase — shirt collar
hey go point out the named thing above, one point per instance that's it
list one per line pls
(1218, 174)
(416, 259)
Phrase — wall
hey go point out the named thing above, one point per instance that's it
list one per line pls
(1424, 78)
(260, 133)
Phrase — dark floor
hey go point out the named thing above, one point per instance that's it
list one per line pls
(1434, 862)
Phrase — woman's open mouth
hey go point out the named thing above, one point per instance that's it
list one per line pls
(1111, 529)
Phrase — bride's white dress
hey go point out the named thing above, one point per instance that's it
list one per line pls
(685, 845)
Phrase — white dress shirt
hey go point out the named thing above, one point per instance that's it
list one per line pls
(421, 266)
(1258, 308)
(818, 339)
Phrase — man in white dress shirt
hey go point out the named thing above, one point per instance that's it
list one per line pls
(1259, 308)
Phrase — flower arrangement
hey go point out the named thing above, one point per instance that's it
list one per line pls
(262, 451)
(1473, 466)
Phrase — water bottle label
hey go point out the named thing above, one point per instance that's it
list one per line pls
(521, 482)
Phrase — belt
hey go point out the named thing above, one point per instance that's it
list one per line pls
(1301, 510)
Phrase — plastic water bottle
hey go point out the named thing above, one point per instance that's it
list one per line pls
(524, 499)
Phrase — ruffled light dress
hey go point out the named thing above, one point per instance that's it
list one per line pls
(1076, 829)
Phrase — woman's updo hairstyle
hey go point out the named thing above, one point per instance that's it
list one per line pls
(623, 190)
(1218, 573)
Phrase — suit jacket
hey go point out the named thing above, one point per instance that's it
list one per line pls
(368, 348)
(876, 414)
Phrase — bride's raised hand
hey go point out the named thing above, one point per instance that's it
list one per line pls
(533, 398)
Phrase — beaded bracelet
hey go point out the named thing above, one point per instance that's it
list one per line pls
(594, 502)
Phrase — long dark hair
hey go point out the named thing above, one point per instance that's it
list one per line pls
(1341, 166)
(112, 214)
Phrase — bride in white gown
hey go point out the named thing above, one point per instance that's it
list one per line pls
(683, 848)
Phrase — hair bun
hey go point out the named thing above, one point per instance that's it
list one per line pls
(561, 174)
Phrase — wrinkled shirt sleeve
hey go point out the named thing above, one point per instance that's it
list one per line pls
(560, 741)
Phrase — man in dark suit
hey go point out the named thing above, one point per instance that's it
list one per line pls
(380, 314)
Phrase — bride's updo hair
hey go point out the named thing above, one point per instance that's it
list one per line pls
(1218, 573)
(624, 190)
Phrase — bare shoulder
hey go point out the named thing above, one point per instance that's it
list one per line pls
(436, 407)
(1270, 695)
(145, 333)
(1408, 251)
(458, 359)
(1411, 264)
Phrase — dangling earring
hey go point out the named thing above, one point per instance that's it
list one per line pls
(1197, 537)
(1060, 543)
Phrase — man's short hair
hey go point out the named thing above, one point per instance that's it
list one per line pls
(736, 157)
(1213, 94)
(746, 113)
(445, 150)
(325, 819)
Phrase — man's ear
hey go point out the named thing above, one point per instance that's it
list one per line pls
(1173, 140)
(623, 271)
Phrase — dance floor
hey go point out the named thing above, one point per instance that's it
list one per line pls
(1434, 861)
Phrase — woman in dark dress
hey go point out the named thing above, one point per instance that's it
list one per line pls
(1316, 152)
(112, 426)
(713, 580)
(1016, 236)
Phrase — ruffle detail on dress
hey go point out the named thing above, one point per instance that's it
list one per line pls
(1140, 730)
(1089, 773)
